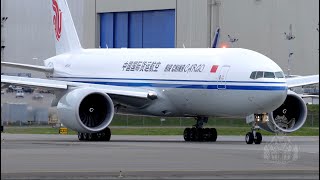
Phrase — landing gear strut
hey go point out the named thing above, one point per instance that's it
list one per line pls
(198, 133)
(254, 136)
(103, 135)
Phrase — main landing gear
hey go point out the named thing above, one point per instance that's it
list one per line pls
(254, 136)
(104, 135)
(198, 133)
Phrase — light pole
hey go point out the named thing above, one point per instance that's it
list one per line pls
(318, 31)
(3, 20)
(289, 36)
(214, 18)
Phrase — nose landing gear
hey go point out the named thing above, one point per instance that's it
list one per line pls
(254, 136)
(198, 133)
(250, 138)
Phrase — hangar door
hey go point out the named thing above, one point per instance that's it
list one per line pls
(145, 29)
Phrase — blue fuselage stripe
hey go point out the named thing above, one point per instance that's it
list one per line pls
(168, 80)
(189, 86)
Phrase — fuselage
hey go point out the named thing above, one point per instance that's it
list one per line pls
(189, 82)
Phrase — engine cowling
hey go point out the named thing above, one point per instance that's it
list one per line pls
(289, 117)
(85, 110)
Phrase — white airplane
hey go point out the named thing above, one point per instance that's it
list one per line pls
(92, 84)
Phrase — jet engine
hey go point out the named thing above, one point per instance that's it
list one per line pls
(289, 117)
(86, 110)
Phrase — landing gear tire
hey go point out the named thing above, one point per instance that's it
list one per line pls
(194, 134)
(213, 134)
(85, 136)
(90, 137)
(258, 138)
(254, 136)
(200, 134)
(93, 136)
(186, 134)
(80, 136)
(249, 138)
(104, 135)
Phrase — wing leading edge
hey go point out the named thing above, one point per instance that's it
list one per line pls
(65, 85)
(302, 80)
(27, 66)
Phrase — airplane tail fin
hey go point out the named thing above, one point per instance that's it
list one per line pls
(216, 38)
(65, 34)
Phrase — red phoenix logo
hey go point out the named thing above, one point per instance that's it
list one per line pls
(57, 18)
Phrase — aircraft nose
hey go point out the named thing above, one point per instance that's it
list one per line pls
(268, 101)
(275, 99)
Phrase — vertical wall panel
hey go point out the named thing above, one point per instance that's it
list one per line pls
(146, 29)
(192, 24)
(158, 29)
(103, 30)
(135, 30)
(106, 30)
(120, 30)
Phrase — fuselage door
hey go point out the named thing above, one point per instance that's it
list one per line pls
(222, 77)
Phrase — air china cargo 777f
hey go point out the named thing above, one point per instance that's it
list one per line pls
(91, 85)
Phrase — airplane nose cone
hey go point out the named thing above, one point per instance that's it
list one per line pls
(275, 99)
(269, 101)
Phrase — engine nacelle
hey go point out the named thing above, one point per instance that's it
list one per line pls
(85, 110)
(289, 117)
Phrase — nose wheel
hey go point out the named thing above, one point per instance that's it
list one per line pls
(250, 138)
(254, 136)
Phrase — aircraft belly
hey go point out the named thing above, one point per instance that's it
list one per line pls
(220, 102)
(190, 102)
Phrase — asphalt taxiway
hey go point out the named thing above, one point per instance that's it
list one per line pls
(157, 157)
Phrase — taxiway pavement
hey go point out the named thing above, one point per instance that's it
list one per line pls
(153, 157)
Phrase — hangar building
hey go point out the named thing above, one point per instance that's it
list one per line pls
(260, 25)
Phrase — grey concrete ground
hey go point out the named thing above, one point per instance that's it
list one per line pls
(157, 157)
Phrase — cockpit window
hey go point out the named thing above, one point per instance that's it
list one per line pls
(253, 75)
(263, 74)
(259, 74)
(279, 74)
(269, 75)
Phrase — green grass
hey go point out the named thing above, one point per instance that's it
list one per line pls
(241, 131)
(141, 121)
(138, 125)
(313, 108)
(138, 121)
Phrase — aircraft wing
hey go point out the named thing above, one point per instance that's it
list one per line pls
(34, 82)
(27, 66)
(308, 96)
(116, 92)
(302, 80)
